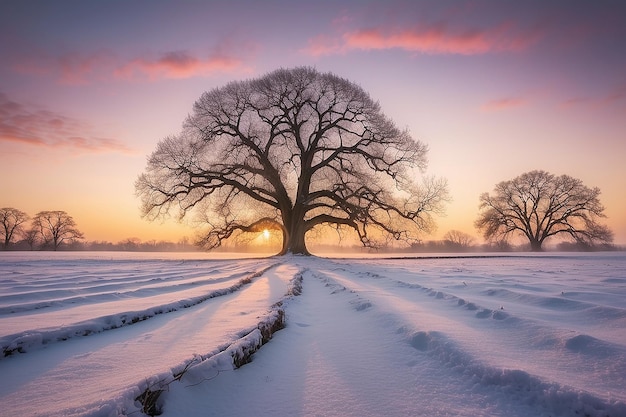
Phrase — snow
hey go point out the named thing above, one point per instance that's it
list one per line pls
(188, 335)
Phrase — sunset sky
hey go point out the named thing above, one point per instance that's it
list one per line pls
(495, 88)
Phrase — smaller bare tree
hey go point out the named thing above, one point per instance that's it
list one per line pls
(56, 227)
(538, 205)
(12, 223)
(457, 240)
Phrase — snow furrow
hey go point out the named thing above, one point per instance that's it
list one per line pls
(134, 280)
(100, 294)
(80, 377)
(449, 348)
(205, 367)
(474, 336)
(32, 339)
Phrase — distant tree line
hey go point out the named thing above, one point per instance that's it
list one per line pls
(17, 236)
(57, 230)
(445, 246)
(455, 241)
(137, 245)
(49, 230)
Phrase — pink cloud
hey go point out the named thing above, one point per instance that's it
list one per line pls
(84, 68)
(43, 128)
(432, 39)
(178, 64)
(503, 104)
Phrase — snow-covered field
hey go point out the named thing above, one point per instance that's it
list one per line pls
(112, 334)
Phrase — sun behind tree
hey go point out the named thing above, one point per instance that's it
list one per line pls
(290, 151)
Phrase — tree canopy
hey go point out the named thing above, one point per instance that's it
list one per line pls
(291, 151)
(539, 205)
(11, 224)
(56, 228)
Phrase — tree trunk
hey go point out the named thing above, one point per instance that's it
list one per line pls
(293, 239)
(535, 246)
(294, 230)
(297, 244)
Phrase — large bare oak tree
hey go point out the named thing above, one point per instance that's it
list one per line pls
(291, 151)
(539, 205)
